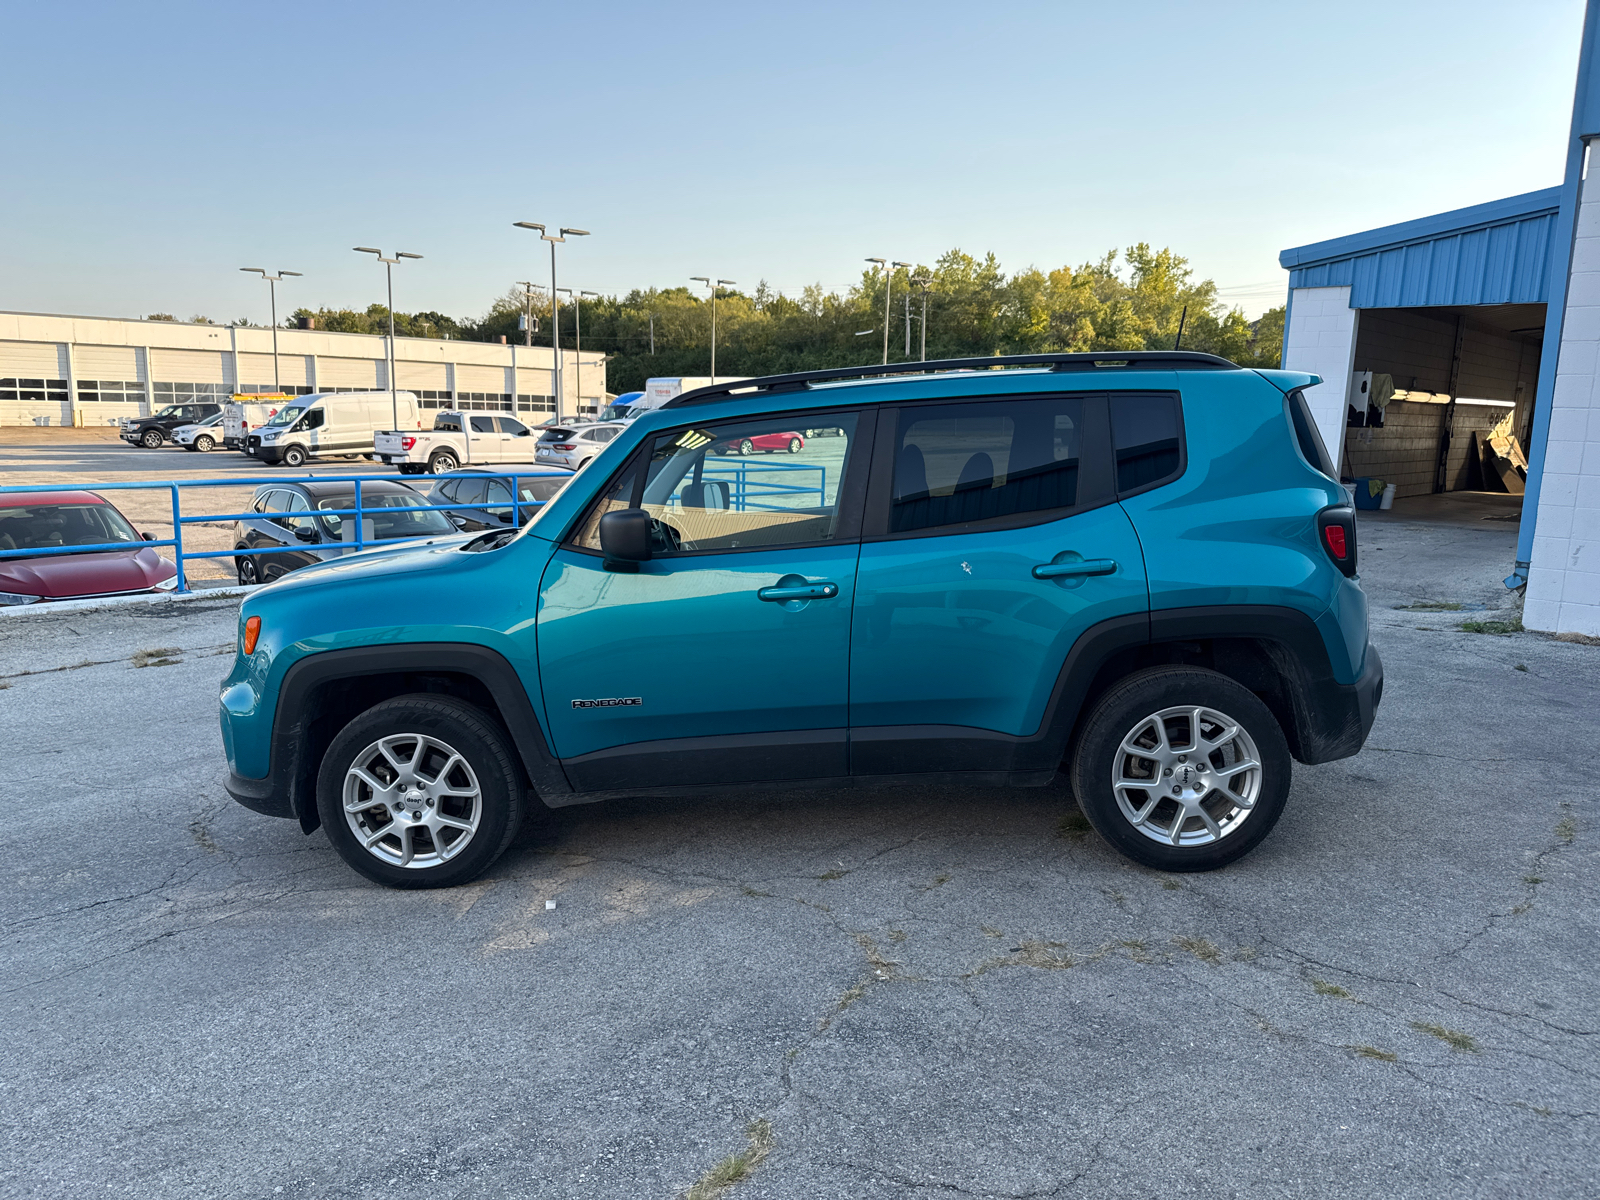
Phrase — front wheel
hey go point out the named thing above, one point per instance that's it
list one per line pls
(747, 447)
(204, 444)
(295, 456)
(420, 791)
(1181, 769)
(442, 463)
(249, 572)
(151, 439)
(794, 445)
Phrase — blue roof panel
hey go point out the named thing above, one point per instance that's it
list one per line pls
(1496, 253)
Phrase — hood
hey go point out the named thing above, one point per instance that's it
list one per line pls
(431, 554)
(65, 576)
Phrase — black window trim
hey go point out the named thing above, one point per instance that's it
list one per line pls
(1296, 408)
(1183, 441)
(851, 498)
(1097, 427)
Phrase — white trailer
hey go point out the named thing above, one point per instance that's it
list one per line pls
(246, 412)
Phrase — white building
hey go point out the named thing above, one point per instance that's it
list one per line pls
(59, 370)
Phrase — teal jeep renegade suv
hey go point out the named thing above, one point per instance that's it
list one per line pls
(1138, 569)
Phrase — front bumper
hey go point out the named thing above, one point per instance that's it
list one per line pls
(266, 796)
(266, 454)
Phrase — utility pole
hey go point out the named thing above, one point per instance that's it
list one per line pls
(923, 283)
(652, 334)
(713, 285)
(272, 288)
(908, 324)
(527, 312)
(388, 269)
(578, 301)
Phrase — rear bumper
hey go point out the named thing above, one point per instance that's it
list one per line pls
(1338, 716)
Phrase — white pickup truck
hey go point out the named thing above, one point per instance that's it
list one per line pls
(457, 438)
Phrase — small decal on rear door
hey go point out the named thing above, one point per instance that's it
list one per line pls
(616, 702)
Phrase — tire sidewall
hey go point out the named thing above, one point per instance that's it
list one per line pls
(442, 464)
(151, 439)
(467, 730)
(294, 456)
(1136, 697)
(204, 444)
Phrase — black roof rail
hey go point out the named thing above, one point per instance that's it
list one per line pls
(1170, 360)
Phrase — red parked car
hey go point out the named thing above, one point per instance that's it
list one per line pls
(47, 520)
(769, 443)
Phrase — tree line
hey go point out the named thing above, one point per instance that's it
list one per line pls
(1129, 300)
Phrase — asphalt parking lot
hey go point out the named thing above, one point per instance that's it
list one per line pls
(921, 993)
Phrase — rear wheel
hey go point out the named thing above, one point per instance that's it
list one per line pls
(1181, 769)
(747, 447)
(295, 456)
(411, 468)
(442, 462)
(151, 439)
(420, 791)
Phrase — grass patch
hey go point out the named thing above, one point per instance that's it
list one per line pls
(1431, 606)
(1566, 829)
(1073, 826)
(1520, 667)
(991, 931)
(1535, 879)
(1496, 627)
(1581, 639)
(1374, 1052)
(1323, 988)
(1202, 948)
(1047, 956)
(836, 873)
(750, 891)
(164, 656)
(1453, 1038)
(4, 686)
(1244, 954)
(736, 1168)
(1171, 885)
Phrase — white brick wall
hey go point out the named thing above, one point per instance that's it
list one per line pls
(1564, 579)
(1321, 338)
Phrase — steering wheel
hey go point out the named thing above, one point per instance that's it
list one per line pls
(664, 539)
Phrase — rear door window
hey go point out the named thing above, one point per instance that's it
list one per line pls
(482, 424)
(986, 462)
(1146, 432)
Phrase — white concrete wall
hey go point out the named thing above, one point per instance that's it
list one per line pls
(1321, 338)
(1564, 578)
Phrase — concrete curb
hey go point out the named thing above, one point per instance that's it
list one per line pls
(47, 607)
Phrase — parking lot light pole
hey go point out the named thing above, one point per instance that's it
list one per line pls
(924, 283)
(272, 289)
(388, 269)
(713, 284)
(555, 303)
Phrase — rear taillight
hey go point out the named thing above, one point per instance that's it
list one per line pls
(1336, 528)
(564, 446)
(406, 443)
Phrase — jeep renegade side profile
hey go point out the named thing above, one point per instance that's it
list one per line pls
(1136, 569)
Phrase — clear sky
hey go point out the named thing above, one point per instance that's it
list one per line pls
(151, 150)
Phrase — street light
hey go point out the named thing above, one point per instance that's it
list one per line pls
(924, 283)
(713, 286)
(388, 270)
(272, 288)
(555, 309)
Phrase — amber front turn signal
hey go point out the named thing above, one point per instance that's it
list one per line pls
(252, 631)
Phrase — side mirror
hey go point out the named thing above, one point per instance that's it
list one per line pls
(305, 534)
(625, 539)
(458, 520)
(149, 537)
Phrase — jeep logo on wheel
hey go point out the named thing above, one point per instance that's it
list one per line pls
(615, 702)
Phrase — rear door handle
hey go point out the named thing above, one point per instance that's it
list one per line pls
(1065, 570)
(801, 591)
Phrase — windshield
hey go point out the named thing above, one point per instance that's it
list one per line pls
(389, 515)
(170, 410)
(286, 415)
(614, 412)
(45, 525)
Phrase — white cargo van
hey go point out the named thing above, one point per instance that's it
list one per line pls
(657, 392)
(246, 412)
(329, 425)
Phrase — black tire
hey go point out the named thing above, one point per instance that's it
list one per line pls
(294, 456)
(411, 468)
(249, 572)
(467, 731)
(204, 444)
(1120, 713)
(442, 462)
(151, 439)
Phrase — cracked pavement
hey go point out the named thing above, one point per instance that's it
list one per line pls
(929, 993)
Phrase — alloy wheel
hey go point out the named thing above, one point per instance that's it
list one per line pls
(412, 801)
(1187, 776)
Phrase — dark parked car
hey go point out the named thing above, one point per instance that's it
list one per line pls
(151, 432)
(490, 485)
(49, 520)
(285, 519)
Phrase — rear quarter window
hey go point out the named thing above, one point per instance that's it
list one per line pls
(1306, 434)
(1147, 435)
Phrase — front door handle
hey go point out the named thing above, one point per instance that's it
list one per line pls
(784, 592)
(1077, 569)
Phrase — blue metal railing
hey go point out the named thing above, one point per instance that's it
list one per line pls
(359, 512)
(737, 472)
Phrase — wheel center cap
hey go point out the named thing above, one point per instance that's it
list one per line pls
(1185, 775)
